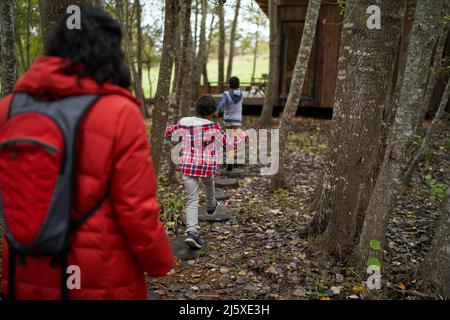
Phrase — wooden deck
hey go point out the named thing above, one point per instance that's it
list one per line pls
(248, 101)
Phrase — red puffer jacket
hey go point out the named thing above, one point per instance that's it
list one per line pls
(125, 237)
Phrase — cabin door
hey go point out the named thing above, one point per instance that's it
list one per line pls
(290, 44)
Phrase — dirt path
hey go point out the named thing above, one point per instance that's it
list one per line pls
(259, 255)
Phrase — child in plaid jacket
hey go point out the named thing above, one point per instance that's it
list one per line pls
(202, 142)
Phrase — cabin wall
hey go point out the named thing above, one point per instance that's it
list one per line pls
(320, 82)
(326, 52)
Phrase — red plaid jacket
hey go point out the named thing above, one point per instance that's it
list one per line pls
(201, 143)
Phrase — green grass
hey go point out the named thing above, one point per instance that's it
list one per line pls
(242, 68)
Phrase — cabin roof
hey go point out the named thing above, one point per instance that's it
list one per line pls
(264, 5)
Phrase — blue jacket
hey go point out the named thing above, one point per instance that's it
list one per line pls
(231, 104)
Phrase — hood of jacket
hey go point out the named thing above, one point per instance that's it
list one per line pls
(235, 95)
(195, 122)
(47, 77)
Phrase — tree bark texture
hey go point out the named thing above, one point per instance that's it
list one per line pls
(420, 49)
(161, 101)
(364, 78)
(298, 79)
(8, 49)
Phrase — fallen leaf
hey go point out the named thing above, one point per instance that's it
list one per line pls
(224, 270)
(299, 292)
(336, 290)
(358, 288)
(272, 270)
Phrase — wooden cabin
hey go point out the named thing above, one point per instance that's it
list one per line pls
(320, 82)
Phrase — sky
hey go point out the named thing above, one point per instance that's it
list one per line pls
(154, 14)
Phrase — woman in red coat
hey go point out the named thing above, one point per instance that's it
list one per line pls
(124, 238)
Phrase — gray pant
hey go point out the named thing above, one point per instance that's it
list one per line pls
(192, 199)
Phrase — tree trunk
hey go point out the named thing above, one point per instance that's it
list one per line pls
(208, 50)
(184, 96)
(177, 61)
(8, 49)
(393, 97)
(194, 66)
(435, 72)
(200, 58)
(436, 266)
(28, 34)
(426, 143)
(269, 100)
(21, 63)
(233, 39)
(364, 78)
(298, 79)
(137, 85)
(52, 11)
(140, 47)
(99, 3)
(420, 49)
(255, 54)
(161, 108)
(221, 13)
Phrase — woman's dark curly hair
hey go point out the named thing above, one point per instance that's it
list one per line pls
(94, 49)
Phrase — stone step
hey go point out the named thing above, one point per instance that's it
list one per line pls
(221, 215)
(182, 251)
(224, 182)
(222, 194)
(235, 173)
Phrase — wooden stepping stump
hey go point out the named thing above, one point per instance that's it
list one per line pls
(235, 173)
(221, 195)
(182, 251)
(226, 182)
(221, 215)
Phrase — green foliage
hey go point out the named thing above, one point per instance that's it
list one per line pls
(28, 32)
(375, 244)
(374, 262)
(437, 189)
(341, 4)
(172, 204)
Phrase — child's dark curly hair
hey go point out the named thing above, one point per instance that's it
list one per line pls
(206, 106)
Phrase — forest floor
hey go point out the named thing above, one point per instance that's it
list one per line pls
(259, 254)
